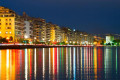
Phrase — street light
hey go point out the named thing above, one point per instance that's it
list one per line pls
(35, 40)
(8, 39)
(25, 39)
(26, 36)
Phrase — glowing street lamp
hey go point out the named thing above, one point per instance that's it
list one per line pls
(26, 36)
(35, 40)
(34, 37)
(8, 38)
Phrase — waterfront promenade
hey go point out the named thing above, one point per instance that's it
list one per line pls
(22, 46)
(37, 46)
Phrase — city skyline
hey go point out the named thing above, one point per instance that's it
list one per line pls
(89, 16)
(59, 40)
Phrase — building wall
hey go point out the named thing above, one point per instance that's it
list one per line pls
(19, 28)
(27, 30)
(42, 36)
(109, 39)
(52, 34)
(7, 23)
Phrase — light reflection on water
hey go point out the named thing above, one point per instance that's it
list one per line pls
(85, 63)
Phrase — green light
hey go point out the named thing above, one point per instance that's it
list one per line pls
(116, 60)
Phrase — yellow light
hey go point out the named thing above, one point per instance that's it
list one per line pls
(7, 38)
(95, 62)
(43, 62)
(74, 42)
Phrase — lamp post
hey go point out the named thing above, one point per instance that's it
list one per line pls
(7, 39)
(35, 40)
(25, 38)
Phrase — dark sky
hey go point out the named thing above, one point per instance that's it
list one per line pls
(93, 16)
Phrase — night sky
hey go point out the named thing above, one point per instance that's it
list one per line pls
(92, 16)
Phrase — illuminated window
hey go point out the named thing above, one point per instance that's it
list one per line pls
(10, 32)
(0, 32)
(6, 32)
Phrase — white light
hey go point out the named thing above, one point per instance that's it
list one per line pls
(0, 32)
(10, 32)
(26, 36)
(74, 60)
(53, 60)
(26, 66)
(81, 34)
(34, 37)
(73, 29)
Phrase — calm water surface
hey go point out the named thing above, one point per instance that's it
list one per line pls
(71, 63)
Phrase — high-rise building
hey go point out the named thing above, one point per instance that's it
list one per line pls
(19, 28)
(109, 39)
(42, 36)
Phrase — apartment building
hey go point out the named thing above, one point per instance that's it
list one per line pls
(7, 24)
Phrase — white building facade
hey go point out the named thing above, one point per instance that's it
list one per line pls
(28, 31)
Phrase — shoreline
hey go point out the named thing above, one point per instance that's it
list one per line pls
(44, 46)
(36, 46)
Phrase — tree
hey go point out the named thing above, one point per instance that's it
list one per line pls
(3, 40)
(116, 42)
(11, 38)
